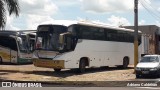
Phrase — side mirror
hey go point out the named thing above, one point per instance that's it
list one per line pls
(20, 40)
(39, 43)
(63, 41)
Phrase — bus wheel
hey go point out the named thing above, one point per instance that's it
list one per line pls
(125, 62)
(57, 70)
(0, 60)
(82, 66)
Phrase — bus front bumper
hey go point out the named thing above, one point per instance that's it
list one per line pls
(56, 64)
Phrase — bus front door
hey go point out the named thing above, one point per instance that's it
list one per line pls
(13, 56)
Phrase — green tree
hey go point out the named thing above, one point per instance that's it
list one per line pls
(11, 6)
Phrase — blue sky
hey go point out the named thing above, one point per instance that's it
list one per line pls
(112, 12)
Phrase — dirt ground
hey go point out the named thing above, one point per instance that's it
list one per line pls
(32, 73)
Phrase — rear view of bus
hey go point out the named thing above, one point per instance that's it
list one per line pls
(47, 46)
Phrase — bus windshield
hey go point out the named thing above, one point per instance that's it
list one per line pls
(48, 37)
(23, 44)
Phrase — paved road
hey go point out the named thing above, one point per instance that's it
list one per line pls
(85, 88)
(105, 88)
(41, 72)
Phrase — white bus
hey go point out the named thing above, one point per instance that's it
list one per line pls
(16, 46)
(83, 45)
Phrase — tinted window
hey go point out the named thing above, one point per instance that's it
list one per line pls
(96, 33)
(8, 42)
(88, 32)
(117, 35)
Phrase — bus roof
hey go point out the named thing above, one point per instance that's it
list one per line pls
(61, 22)
(7, 33)
(86, 23)
(105, 26)
(15, 33)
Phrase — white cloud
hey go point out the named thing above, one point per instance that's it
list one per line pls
(117, 21)
(34, 20)
(9, 24)
(38, 12)
(32, 13)
(142, 22)
(102, 6)
(35, 12)
(67, 3)
(40, 7)
(158, 23)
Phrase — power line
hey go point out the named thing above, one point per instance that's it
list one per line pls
(150, 9)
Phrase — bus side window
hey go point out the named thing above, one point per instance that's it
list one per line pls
(77, 32)
(108, 35)
(86, 33)
(98, 34)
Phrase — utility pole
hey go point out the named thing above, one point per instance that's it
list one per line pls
(135, 33)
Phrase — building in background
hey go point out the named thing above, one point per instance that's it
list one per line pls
(150, 38)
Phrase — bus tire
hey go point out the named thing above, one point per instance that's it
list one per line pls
(57, 70)
(0, 60)
(125, 62)
(82, 66)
